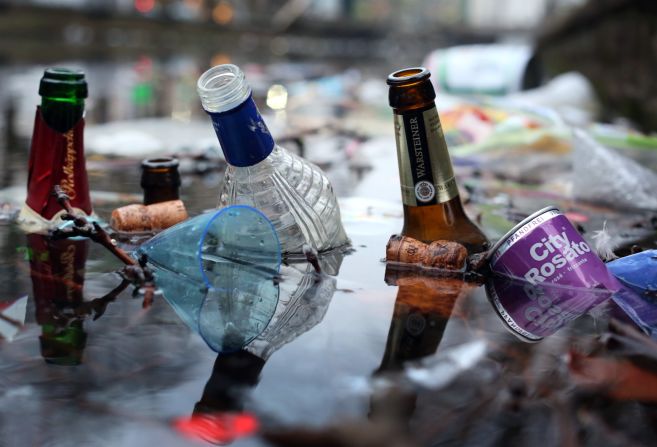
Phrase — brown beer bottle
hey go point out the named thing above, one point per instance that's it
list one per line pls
(160, 180)
(432, 206)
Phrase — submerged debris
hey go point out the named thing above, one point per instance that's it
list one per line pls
(349, 434)
(136, 272)
(624, 368)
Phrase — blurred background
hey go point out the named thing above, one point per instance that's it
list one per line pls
(142, 57)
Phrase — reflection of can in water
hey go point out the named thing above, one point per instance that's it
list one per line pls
(534, 311)
(546, 248)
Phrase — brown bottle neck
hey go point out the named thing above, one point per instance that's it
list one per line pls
(410, 88)
(160, 194)
(160, 180)
(419, 105)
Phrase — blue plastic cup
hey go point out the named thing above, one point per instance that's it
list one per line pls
(219, 272)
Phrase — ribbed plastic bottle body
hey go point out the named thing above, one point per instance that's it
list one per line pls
(294, 194)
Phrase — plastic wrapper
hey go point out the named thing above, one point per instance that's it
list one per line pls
(606, 177)
(638, 271)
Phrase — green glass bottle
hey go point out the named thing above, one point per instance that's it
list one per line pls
(57, 150)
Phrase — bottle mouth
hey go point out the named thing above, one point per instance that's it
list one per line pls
(408, 76)
(222, 88)
(66, 83)
(63, 74)
(161, 172)
(159, 163)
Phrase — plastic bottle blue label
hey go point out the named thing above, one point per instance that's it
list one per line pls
(243, 135)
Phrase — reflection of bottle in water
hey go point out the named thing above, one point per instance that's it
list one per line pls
(219, 416)
(534, 311)
(57, 271)
(231, 313)
(293, 193)
(422, 310)
(303, 301)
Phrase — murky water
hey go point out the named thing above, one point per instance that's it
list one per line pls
(140, 370)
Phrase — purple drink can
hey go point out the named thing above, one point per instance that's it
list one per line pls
(546, 248)
(534, 311)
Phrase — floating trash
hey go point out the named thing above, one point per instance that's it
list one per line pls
(219, 271)
(295, 194)
(546, 248)
(638, 271)
(57, 151)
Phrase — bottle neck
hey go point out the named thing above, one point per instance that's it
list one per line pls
(161, 194)
(243, 135)
(62, 114)
(160, 180)
(425, 168)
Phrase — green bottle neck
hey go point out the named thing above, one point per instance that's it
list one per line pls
(62, 114)
(62, 92)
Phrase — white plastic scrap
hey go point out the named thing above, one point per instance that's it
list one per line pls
(606, 177)
(448, 365)
(13, 314)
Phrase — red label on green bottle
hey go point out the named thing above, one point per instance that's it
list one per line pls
(57, 159)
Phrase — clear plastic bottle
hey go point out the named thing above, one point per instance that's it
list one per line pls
(293, 193)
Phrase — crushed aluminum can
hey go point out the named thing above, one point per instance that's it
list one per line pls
(546, 248)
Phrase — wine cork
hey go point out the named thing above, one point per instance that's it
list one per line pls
(158, 216)
(405, 249)
(446, 255)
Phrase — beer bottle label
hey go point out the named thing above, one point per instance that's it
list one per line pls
(425, 169)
